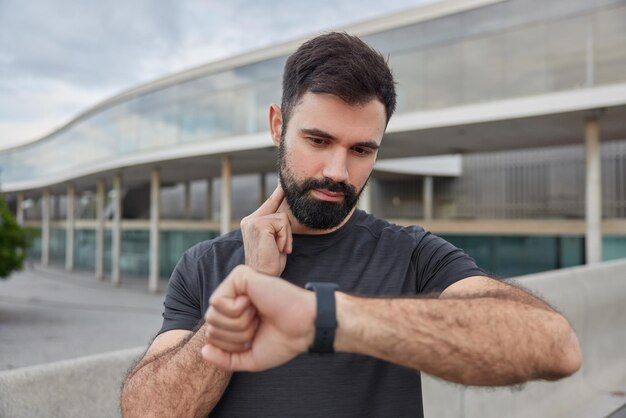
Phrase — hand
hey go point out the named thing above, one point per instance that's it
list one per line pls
(267, 236)
(282, 328)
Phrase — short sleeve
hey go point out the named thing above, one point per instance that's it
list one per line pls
(439, 264)
(182, 307)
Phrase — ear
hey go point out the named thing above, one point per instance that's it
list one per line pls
(276, 123)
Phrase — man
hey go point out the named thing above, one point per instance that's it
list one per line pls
(249, 357)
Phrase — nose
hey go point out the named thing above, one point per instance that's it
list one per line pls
(336, 167)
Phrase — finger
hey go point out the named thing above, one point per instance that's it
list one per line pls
(231, 307)
(285, 238)
(272, 203)
(219, 320)
(234, 342)
(282, 230)
(217, 356)
(226, 360)
(230, 347)
(289, 247)
(215, 335)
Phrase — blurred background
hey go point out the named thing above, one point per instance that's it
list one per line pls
(506, 91)
(129, 131)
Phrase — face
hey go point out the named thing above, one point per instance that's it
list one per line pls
(326, 156)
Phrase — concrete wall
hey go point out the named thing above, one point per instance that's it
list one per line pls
(83, 387)
(592, 297)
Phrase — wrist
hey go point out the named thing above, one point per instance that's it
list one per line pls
(346, 315)
(310, 306)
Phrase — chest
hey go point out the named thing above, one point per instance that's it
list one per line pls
(365, 267)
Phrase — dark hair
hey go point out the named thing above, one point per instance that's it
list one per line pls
(341, 65)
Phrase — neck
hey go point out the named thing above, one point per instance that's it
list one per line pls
(298, 228)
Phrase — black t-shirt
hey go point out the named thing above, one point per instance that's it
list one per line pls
(367, 256)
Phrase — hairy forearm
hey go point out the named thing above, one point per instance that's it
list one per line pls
(175, 383)
(475, 341)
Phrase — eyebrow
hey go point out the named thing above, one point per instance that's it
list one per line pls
(323, 134)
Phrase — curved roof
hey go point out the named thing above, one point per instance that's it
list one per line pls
(451, 100)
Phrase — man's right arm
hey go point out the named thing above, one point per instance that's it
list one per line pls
(173, 380)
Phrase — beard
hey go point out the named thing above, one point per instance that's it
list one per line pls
(310, 212)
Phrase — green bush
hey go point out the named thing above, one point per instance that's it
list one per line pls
(14, 241)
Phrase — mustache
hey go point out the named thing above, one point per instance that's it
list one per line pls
(329, 185)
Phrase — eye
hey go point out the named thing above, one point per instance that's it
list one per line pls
(362, 151)
(317, 141)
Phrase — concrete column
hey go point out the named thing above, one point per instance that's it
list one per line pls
(45, 228)
(365, 201)
(209, 199)
(427, 197)
(226, 215)
(19, 209)
(187, 200)
(155, 215)
(593, 192)
(116, 230)
(262, 189)
(70, 226)
(100, 199)
(55, 207)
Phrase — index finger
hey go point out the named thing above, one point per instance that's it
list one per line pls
(272, 203)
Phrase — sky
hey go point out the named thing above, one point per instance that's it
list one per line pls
(60, 57)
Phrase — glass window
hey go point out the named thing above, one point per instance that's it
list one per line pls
(614, 248)
(57, 245)
(175, 243)
(443, 76)
(189, 119)
(572, 251)
(525, 61)
(265, 93)
(483, 66)
(260, 70)
(567, 45)
(84, 249)
(609, 48)
(6, 169)
(409, 72)
(242, 111)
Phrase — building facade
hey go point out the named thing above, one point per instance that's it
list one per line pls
(530, 94)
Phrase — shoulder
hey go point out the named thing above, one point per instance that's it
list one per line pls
(220, 254)
(226, 242)
(419, 241)
(381, 228)
(203, 266)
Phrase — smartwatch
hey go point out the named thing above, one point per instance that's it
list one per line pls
(326, 318)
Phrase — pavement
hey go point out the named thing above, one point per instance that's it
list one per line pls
(620, 413)
(48, 315)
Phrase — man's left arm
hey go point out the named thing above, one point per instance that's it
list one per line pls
(478, 332)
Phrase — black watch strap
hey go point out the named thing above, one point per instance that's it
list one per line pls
(326, 319)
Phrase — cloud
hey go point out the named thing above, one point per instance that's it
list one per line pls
(86, 43)
(37, 106)
(57, 58)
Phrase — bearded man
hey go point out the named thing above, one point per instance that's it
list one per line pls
(388, 301)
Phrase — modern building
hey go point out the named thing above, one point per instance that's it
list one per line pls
(515, 109)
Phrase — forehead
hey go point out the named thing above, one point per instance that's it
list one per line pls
(342, 120)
